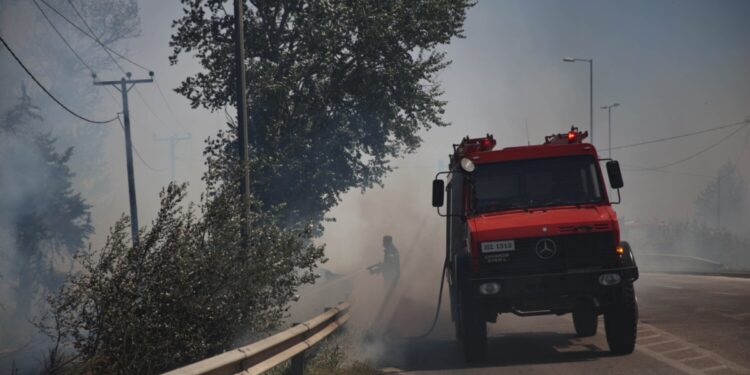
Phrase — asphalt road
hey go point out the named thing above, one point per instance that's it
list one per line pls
(689, 324)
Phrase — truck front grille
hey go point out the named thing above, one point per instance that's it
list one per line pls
(572, 251)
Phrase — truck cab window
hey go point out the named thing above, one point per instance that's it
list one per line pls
(535, 183)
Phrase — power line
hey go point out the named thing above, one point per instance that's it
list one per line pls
(169, 107)
(635, 168)
(107, 50)
(91, 36)
(57, 31)
(49, 93)
(744, 146)
(64, 40)
(703, 150)
(745, 122)
(164, 98)
(138, 154)
(148, 106)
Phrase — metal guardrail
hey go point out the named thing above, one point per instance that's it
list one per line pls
(265, 354)
(681, 256)
(701, 266)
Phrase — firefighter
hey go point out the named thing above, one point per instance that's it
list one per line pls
(390, 267)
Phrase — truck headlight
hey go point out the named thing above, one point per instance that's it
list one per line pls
(609, 279)
(489, 288)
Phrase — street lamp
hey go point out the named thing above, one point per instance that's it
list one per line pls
(591, 91)
(609, 115)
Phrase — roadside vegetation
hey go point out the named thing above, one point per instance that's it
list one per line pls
(189, 290)
(696, 240)
(330, 358)
(337, 89)
(717, 233)
(43, 220)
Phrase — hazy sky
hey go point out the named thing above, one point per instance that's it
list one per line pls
(674, 66)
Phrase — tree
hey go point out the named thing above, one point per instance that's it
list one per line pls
(187, 292)
(114, 22)
(44, 221)
(336, 89)
(726, 195)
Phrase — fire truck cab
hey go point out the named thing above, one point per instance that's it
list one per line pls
(531, 231)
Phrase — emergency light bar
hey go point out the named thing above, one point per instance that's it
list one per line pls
(471, 145)
(573, 136)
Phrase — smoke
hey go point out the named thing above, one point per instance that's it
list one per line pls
(674, 68)
(32, 254)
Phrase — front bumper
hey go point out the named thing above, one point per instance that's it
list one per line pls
(550, 293)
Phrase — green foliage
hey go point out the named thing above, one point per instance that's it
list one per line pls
(329, 358)
(337, 88)
(187, 292)
(44, 220)
(114, 22)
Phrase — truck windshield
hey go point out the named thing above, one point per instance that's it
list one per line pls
(535, 183)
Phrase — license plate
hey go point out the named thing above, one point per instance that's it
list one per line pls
(498, 246)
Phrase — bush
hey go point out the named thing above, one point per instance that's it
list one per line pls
(188, 291)
(329, 358)
(693, 239)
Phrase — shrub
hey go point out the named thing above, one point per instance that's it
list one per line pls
(188, 291)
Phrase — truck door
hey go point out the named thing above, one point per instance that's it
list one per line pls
(455, 221)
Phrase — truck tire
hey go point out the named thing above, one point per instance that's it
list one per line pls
(455, 314)
(621, 322)
(473, 331)
(471, 327)
(585, 319)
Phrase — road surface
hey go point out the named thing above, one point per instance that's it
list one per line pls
(689, 325)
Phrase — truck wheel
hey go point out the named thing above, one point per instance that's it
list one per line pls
(585, 319)
(621, 322)
(454, 312)
(473, 331)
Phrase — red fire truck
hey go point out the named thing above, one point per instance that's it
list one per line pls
(531, 231)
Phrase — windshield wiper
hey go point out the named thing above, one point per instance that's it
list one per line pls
(560, 202)
(496, 208)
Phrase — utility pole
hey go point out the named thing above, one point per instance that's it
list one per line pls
(172, 140)
(718, 201)
(123, 88)
(609, 115)
(242, 128)
(591, 91)
(591, 99)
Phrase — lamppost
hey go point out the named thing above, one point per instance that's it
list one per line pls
(591, 91)
(609, 115)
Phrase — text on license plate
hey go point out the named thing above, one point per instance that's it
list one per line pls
(498, 246)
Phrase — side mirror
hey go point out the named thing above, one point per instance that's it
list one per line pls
(438, 193)
(614, 173)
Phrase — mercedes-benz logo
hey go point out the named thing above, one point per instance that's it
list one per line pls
(546, 248)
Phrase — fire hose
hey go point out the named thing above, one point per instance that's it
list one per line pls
(437, 308)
